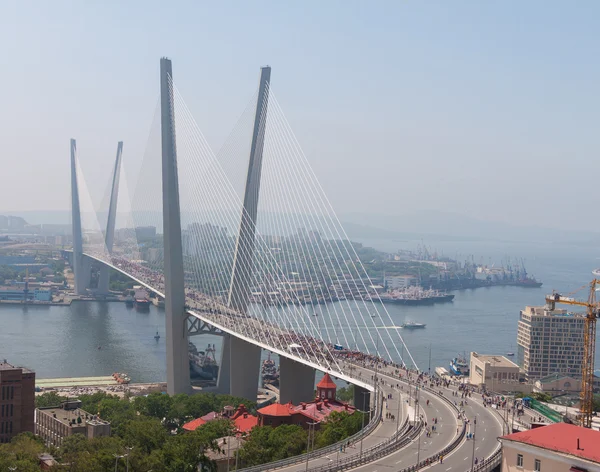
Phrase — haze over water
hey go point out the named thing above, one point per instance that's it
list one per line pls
(63, 341)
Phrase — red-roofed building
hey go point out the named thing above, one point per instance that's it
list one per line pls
(194, 424)
(559, 447)
(315, 411)
(241, 418)
(326, 388)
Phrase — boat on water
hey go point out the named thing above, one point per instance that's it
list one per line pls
(141, 300)
(157, 336)
(158, 302)
(129, 302)
(459, 366)
(415, 295)
(528, 282)
(412, 325)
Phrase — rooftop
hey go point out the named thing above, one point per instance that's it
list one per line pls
(194, 424)
(6, 366)
(70, 417)
(543, 311)
(562, 438)
(326, 382)
(320, 410)
(276, 409)
(496, 361)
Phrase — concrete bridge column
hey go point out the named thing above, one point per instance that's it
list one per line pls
(244, 368)
(224, 378)
(83, 275)
(296, 382)
(362, 398)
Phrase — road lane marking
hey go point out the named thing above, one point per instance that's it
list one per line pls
(465, 458)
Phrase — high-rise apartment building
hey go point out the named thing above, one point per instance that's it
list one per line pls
(549, 342)
(17, 401)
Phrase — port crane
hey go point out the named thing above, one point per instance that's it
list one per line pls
(589, 347)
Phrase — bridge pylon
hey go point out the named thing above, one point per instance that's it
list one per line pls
(103, 281)
(178, 368)
(81, 268)
(238, 380)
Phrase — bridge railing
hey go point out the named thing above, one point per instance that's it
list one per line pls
(355, 438)
(376, 452)
(490, 463)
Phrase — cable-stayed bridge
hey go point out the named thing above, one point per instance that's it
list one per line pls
(248, 247)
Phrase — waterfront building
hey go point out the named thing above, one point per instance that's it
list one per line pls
(496, 374)
(559, 447)
(18, 293)
(54, 424)
(557, 384)
(395, 282)
(312, 412)
(549, 342)
(17, 401)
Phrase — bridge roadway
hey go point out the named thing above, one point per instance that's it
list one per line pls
(489, 427)
(489, 423)
(227, 320)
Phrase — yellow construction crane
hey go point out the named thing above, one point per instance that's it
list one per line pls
(589, 347)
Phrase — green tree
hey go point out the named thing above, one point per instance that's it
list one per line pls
(145, 434)
(267, 444)
(345, 394)
(22, 452)
(49, 399)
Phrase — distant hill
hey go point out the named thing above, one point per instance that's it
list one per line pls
(432, 225)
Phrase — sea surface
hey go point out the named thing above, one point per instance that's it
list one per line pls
(99, 338)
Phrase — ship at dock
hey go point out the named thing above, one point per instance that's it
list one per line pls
(203, 364)
(141, 300)
(459, 366)
(415, 295)
(269, 373)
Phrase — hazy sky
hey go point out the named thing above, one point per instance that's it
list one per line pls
(489, 109)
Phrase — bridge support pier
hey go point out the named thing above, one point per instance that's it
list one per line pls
(296, 382)
(244, 368)
(362, 398)
(224, 379)
(85, 274)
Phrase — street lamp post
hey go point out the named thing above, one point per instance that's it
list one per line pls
(308, 441)
(398, 415)
(228, 452)
(417, 405)
(117, 457)
(127, 456)
(363, 420)
(473, 455)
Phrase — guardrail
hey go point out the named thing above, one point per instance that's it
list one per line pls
(490, 463)
(404, 436)
(376, 452)
(355, 438)
(389, 446)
